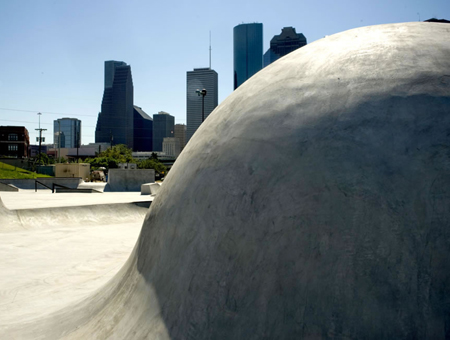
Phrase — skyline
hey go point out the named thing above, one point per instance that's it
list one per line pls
(53, 53)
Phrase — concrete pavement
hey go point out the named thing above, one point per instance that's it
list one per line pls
(57, 249)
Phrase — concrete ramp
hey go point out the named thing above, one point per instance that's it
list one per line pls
(8, 187)
(53, 257)
(47, 218)
(313, 203)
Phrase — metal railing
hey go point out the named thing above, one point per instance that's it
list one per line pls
(54, 185)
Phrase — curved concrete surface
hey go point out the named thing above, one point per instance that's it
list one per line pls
(312, 203)
(53, 257)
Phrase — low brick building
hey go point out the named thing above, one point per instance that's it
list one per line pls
(14, 141)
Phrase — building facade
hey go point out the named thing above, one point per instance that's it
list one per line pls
(286, 42)
(247, 51)
(67, 133)
(171, 146)
(180, 133)
(115, 122)
(163, 126)
(14, 141)
(199, 79)
(143, 130)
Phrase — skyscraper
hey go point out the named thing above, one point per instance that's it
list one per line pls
(199, 79)
(143, 130)
(180, 133)
(115, 122)
(163, 126)
(68, 132)
(248, 51)
(284, 43)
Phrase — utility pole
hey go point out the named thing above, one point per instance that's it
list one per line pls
(40, 139)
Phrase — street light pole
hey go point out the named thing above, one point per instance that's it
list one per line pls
(203, 94)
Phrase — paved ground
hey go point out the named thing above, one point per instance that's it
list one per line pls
(29, 199)
(49, 259)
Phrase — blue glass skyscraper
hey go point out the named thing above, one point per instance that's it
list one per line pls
(67, 133)
(163, 126)
(286, 42)
(248, 51)
(115, 123)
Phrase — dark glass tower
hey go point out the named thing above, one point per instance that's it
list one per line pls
(248, 51)
(143, 130)
(163, 126)
(199, 79)
(115, 121)
(284, 43)
(68, 130)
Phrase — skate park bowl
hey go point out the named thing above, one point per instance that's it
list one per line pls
(313, 203)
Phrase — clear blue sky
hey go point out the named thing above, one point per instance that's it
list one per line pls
(53, 52)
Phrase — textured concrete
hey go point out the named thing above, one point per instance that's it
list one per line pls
(8, 187)
(312, 203)
(52, 257)
(129, 180)
(145, 189)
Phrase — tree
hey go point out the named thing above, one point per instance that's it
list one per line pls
(111, 157)
(152, 164)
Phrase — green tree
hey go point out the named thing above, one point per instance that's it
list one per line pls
(111, 157)
(44, 159)
(119, 152)
(152, 164)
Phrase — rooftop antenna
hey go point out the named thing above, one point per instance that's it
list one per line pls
(209, 49)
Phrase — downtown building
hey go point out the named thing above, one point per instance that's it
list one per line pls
(247, 51)
(14, 142)
(286, 42)
(163, 126)
(180, 133)
(120, 122)
(67, 133)
(115, 121)
(143, 130)
(199, 79)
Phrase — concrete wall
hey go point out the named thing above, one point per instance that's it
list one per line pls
(129, 180)
(29, 183)
(7, 187)
(73, 170)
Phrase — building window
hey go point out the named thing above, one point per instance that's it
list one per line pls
(12, 147)
(13, 136)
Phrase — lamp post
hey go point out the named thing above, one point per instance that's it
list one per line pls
(203, 94)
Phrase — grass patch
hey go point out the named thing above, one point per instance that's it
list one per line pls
(11, 172)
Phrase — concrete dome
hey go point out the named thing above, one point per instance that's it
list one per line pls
(313, 203)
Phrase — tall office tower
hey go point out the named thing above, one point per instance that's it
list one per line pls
(115, 122)
(199, 79)
(163, 126)
(248, 51)
(67, 131)
(284, 43)
(180, 133)
(143, 130)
